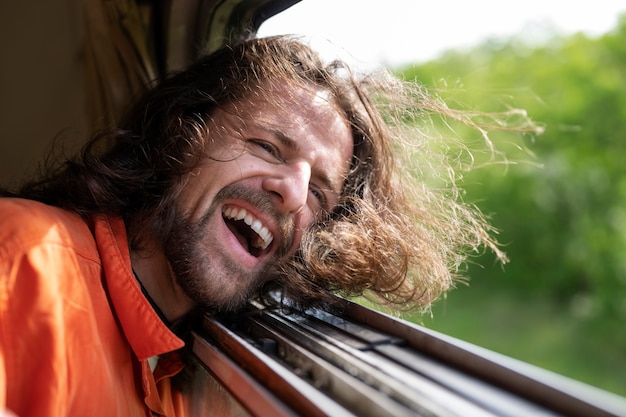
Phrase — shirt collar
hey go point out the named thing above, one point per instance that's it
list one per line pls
(144, 330)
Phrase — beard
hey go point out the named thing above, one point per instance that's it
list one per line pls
(222, 285)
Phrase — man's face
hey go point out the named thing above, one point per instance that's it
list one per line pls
(273, 167)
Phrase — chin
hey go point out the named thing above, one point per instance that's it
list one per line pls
(225, 303)
(216, 297)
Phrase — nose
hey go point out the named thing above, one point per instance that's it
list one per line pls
(290, 184)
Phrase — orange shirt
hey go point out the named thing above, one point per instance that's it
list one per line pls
(75, 330)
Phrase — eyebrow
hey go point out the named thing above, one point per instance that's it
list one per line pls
(293, 145)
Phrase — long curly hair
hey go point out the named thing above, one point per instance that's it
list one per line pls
(392, 236)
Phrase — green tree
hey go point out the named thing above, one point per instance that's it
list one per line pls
(561, 206)
(563, 212)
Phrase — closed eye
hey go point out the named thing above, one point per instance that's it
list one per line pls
(266, 148)
(320, 197)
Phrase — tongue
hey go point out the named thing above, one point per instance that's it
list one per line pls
(240, 237)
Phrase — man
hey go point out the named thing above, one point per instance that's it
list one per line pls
(258, 167)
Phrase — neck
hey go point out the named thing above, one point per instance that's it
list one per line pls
(154, 305)
(159, 285)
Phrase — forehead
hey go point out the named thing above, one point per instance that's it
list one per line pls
(271, 100)
(308, 111)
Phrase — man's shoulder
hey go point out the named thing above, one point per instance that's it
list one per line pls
(24, 223)
(21, 213)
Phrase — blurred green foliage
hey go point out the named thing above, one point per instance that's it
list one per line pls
(560, 204)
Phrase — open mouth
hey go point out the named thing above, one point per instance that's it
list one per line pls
(250, 231)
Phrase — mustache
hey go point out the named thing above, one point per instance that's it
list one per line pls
(264, 202)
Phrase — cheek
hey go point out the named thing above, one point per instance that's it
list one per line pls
(306, 219)
(303, 222)
(197, 191)
(199, 188)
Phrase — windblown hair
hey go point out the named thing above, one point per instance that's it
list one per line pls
(392, 236)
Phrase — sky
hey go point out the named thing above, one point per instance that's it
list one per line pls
(396, 32)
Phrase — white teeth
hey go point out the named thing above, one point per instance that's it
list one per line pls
(254, 223)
